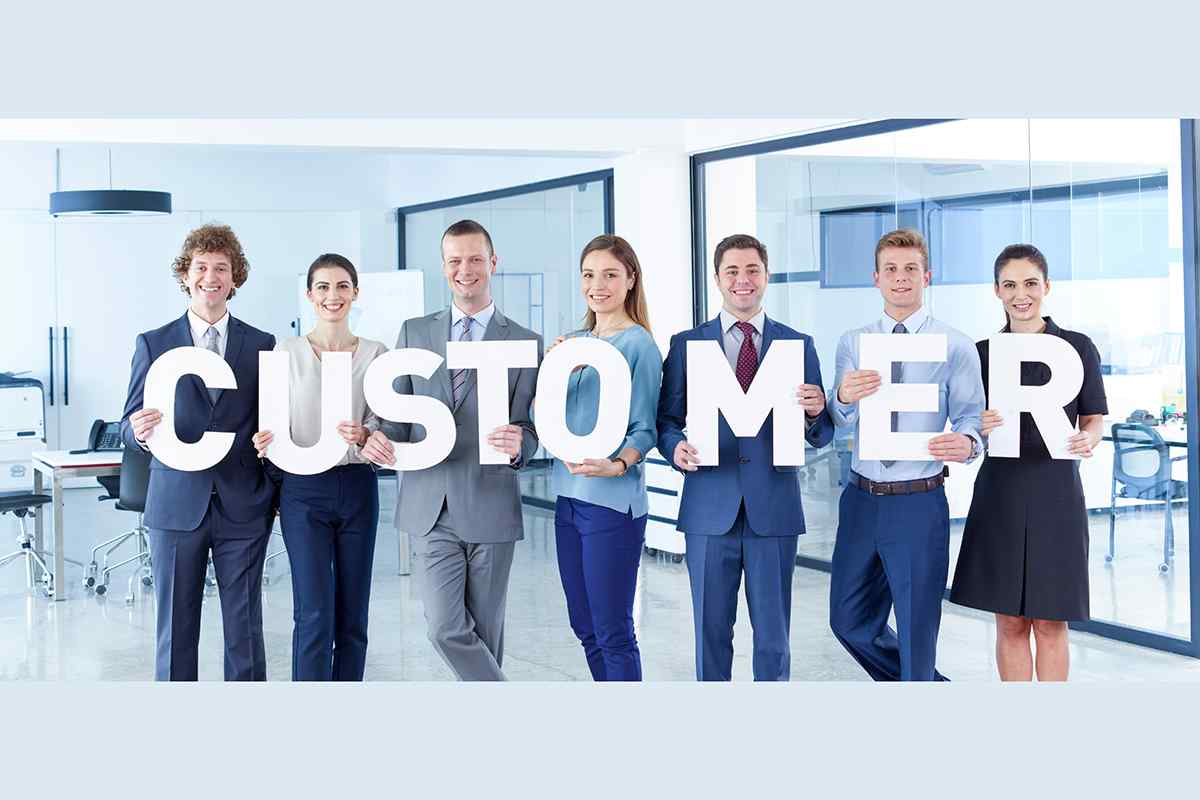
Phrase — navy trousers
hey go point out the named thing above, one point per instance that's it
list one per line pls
(890, 551)
(599, 550)
(329, 522)
(180, 562)
(715, 565)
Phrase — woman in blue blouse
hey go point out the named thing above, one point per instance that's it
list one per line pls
(600, 515)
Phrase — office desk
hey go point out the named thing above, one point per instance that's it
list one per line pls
(55, 465)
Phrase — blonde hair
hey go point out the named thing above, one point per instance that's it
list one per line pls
(905, 238)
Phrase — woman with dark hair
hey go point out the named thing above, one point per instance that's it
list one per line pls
(329, 519)
(600, 515)
(1025, 544)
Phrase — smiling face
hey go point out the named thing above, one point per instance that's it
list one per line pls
(1021, 287)
(468, 266)
(605, 282)
(332, 293)
(901, 275)
(209, 282)
(742, 278)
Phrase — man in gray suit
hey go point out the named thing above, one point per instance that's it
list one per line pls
(464, 517)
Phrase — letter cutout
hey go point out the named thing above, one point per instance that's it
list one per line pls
(428, 412)
(712, 387)
(615, 386)
(491, 361)
(1006, 351)
(161, 379)
(274, 412)
(878, 351)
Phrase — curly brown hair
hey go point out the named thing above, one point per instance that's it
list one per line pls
(211, 238)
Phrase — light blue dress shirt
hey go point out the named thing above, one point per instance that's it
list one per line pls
(960, 395)
(732, 336)
(626, 493)
(478, 327)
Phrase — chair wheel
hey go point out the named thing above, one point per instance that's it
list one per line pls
(1108, 559)
(101, 589)
(89, 582)
(147, 581)
(676, 558)
(1164, 568)
(650, 551)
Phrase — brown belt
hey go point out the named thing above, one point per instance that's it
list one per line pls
(880, 488)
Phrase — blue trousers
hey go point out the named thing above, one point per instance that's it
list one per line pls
(599, 550)
(715, 565)
(180, 562)
(890, 551)
(329, 522)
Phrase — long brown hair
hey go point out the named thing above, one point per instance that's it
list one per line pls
(635, 299)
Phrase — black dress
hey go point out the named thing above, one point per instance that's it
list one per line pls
(1025, 544)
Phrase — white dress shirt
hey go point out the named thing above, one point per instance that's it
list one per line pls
(200, 328)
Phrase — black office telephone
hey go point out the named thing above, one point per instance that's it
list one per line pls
(105, 437)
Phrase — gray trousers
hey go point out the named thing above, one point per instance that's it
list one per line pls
(464, 587)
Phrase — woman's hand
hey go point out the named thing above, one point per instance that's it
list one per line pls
(559, 340)
(261, 440)
(595, 468)
(989, 421)
(353, 433)
(1082, 443)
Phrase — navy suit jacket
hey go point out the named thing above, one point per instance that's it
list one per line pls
(178, 500)
(712, 495)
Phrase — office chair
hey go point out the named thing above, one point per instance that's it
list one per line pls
(1142, 465)
(267, 576)
(20, 505)
(129, 491)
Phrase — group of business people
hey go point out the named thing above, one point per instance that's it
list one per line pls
(1025, 541)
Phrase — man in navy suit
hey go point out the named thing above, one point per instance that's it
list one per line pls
(744, 514)
(227, 509)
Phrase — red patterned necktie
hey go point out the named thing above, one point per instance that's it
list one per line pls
(747, 363)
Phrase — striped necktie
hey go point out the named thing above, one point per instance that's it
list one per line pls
(458, 377)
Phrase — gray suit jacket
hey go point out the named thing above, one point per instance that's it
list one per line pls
(483, 500)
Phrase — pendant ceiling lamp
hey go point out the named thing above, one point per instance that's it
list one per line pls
(102, 202)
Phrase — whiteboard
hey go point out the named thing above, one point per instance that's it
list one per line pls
(385, 301)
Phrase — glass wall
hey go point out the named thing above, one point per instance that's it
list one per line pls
(1101, 198)
(538, 232)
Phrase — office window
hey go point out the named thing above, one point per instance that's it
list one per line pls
(538, 231)
(1103, 199)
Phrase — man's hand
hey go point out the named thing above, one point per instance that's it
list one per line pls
(811, 397)
(379, 450)
(951, 447)
(857, 384)
(143, 422)
(989, 421)
(261, 441)
(686, 457)
(507, 439)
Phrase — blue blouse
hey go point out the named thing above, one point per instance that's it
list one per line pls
(626, 493)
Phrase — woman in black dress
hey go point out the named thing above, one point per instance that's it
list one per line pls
(1025, 544)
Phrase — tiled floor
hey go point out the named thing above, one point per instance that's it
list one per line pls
(102, 638)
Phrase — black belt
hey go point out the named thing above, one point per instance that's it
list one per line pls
(880, 488)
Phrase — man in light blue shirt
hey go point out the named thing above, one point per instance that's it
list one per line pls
(894, 524)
